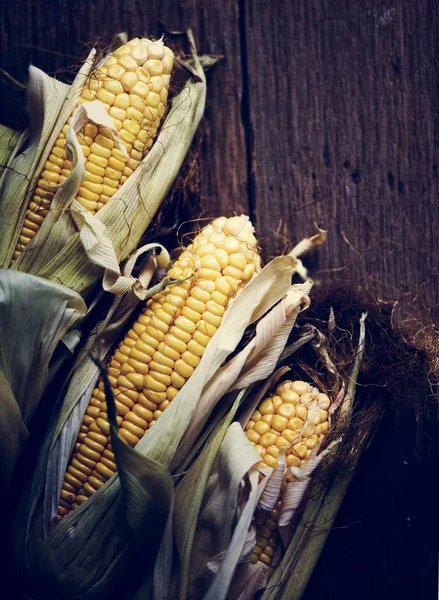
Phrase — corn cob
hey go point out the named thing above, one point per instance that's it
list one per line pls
(161, 350)
(132, 84)
(296, 419)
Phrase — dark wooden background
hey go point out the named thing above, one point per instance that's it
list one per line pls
(322, 111)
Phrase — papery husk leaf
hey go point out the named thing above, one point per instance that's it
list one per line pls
(249, 579)
(129, 212)
(219, 588)
(220, 504)
(34, 316)
(8, 141)
(272, 488)
(50, 103)
(295, 489)
(189, 497)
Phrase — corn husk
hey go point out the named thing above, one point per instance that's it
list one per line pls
(8, 141)
(35, 315)
(72, 246)
(216, 564)
(99, 538)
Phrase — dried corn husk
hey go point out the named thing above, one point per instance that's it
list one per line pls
(226, 500)
(99, 538)
(8, 141)
(59, 252)
(35, 316)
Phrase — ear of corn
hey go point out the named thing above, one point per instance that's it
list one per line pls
(132, 84)
(296, 419)
(161, 350)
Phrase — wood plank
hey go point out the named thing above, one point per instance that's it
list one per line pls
(53, 35)
(343, 115)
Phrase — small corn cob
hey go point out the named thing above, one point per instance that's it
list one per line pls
(161, 350)
(296, 418)
(132, 84)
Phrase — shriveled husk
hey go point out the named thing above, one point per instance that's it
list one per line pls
(35, 315)
(72, 246)
(86, 554)
(215, 564)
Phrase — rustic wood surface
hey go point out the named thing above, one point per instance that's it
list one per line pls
(322, 111)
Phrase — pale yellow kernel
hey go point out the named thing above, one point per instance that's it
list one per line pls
(154, 67)
(252, 436)
(90, 167)
(290, 396)
(223, 286)
(232, 272)
(308, 429)
(237, 260)
(215, 309)
(87, 195)
(266, 407)
(273, 451)
(211, 319)
(231, 245)
(290, 436)
(267, 419)
(96, 188)
(141, 89)
(167, 63)
(261, 427)
(195, 305)
(100, 151)
(279, 423)
(177, 380)
(138, 104)
(295, 424)
(300, 449)
(128, 63)
(171, 392)
(156, 84)
(115, 71)
(270, 461)
(301, 412)
(157, 50)
(183, 368)
(301, 387)
(190, 314)
(312, 441)
(200, 294)
(106, 97)
(234, 283)
(140, 54)
(118, 114)
(201, 338)
(175, 343)
(248, 271)
(87, 95)
(268, 439)
(134, 115)
(256, 416)
(122, 101)
(286, 410)
(323, 401)
(293, 461)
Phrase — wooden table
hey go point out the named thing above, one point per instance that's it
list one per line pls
(322, 111)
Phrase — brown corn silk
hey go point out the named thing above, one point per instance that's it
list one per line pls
(295, 419)
(132, 84)
(161, 350)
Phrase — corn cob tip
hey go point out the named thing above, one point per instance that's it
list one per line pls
(294, 418)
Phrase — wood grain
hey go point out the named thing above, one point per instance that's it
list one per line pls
(343, 117)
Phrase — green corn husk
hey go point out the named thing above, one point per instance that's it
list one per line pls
(215, 561)
(72, 246)
(86, 554)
